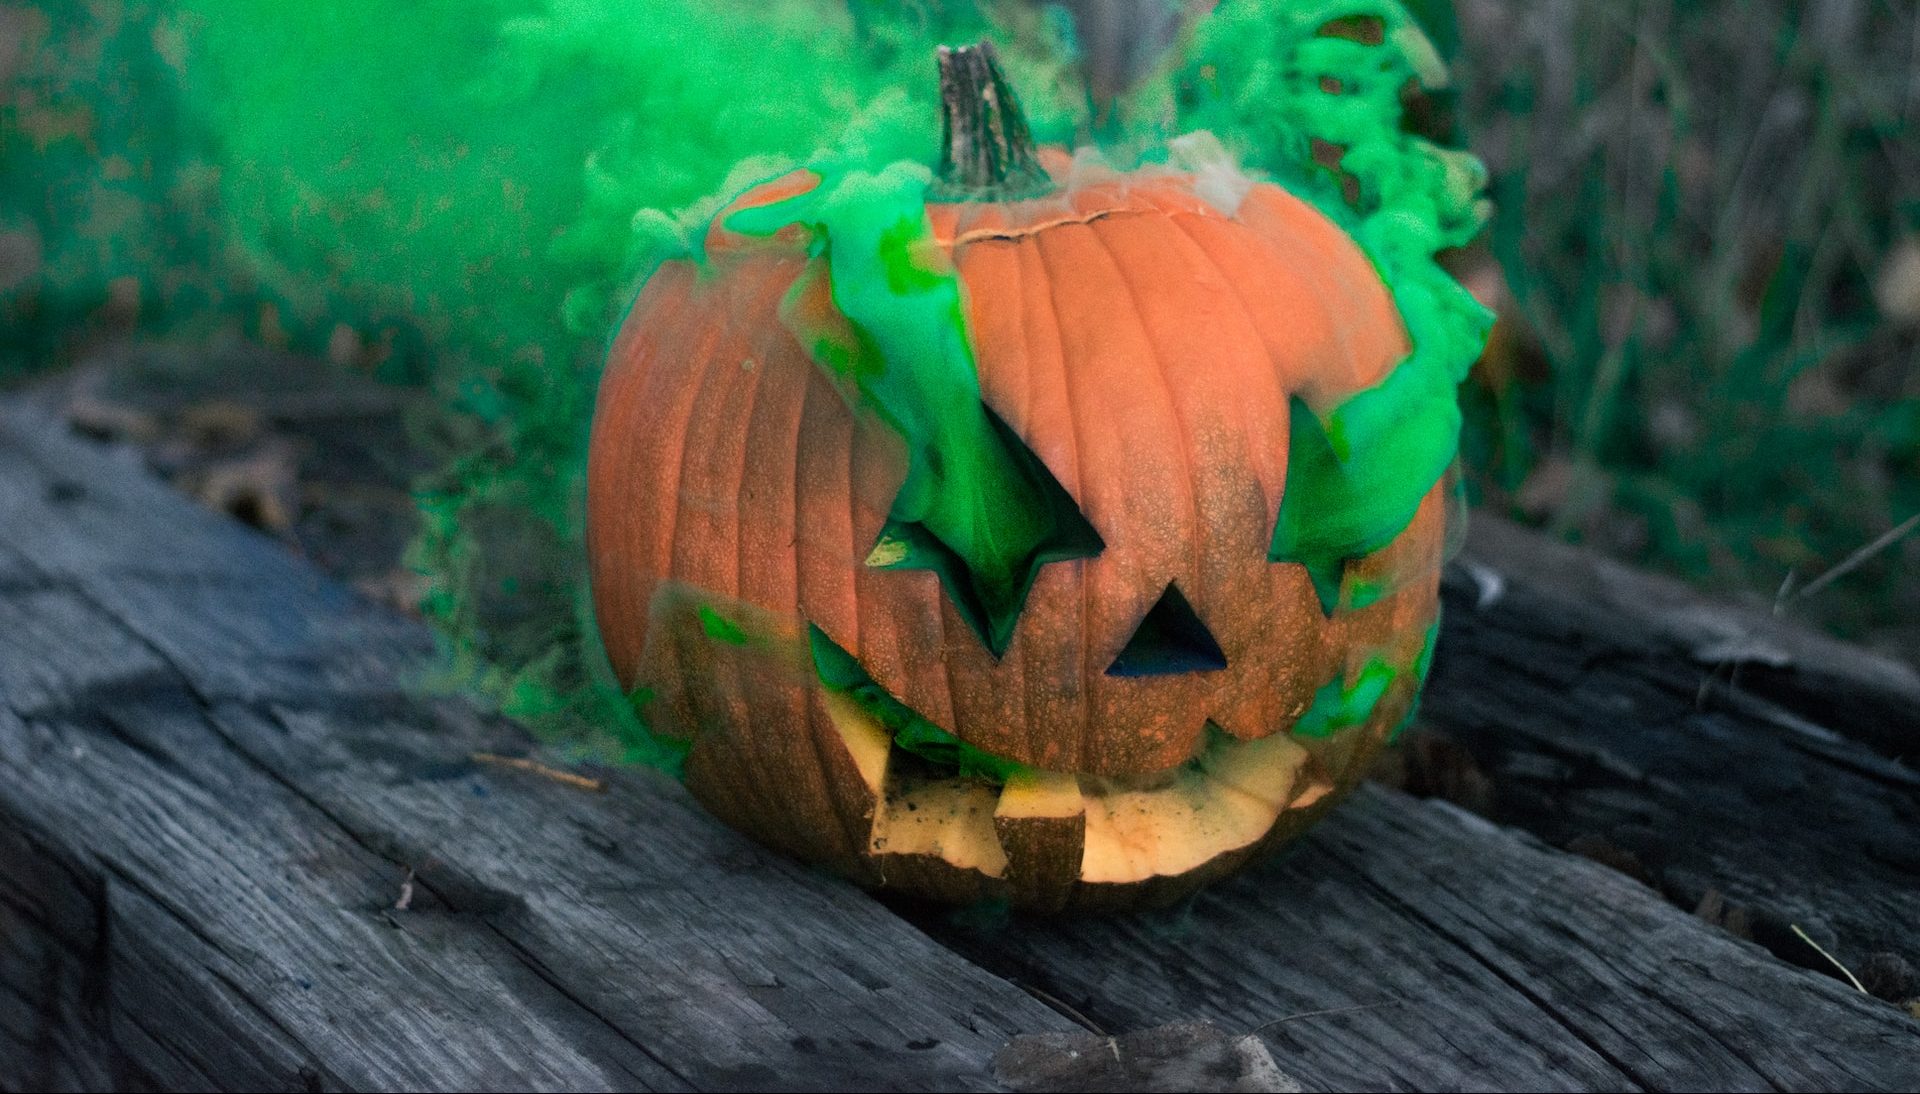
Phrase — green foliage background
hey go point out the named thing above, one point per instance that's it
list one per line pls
(1706, 211)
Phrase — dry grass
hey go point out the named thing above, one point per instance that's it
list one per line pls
(1706, 212)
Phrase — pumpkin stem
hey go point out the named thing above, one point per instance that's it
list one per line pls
(986, 152)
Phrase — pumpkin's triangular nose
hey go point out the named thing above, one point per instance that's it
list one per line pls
(1169, 641)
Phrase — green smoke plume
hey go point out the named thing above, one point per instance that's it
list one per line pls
(492, 178)
(479, 185)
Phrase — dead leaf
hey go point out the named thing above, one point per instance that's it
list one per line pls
(1897, 287)
(1889, 976)
(1714, 909)
(109, 421)
(399, 588)
(221, 424)
(345, 347)
(1546, 489)
(20, 256)
(1431, 766)
(258, 488)
(1609, 854)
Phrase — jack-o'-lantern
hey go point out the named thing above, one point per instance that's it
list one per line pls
(1030, 531)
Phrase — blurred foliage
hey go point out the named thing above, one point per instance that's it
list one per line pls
(106, 200)
(1705, 362)
(1706, 365)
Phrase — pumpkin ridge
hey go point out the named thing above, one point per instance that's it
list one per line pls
(852, 832)
(1133, 426)
(1184, 446)
(659, 372)
(711, 560)
(824, 585)
(1227, 400)
(1082, 578)
(1202, 254)
(855, 622)
(851, 835)
(943, 606)
(1331, 248)
(1040, 324)
(682, 488)
(766, 566)
(742, 474)
(1008, 670)
(875, 625)
(1018, 289)
(808, 719)
(1279, 709)
(794, 484)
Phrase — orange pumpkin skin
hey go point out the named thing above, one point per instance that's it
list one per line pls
(1145, 343)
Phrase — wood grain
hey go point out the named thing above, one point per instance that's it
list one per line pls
(218, 776)
(1411, 945)
(244, 844)
(1605, 712)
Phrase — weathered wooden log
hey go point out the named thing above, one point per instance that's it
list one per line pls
(239, 849)
(1735, 763)
(243, 846)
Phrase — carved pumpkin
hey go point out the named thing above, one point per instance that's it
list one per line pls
(998, 539)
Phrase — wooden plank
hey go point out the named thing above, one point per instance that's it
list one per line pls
(1579, 693)
(204, 894)
(217, 778)
(1412, 945)
(1735, 649)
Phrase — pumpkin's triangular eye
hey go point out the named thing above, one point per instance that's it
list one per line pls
(1356, 479)
(1040, 524)
(1309, 534)
(1170, 640)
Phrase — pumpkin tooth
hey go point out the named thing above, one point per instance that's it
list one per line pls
(923, 832)
(948, 820)
(866, 740)
(1041, 820)
(1225, 801)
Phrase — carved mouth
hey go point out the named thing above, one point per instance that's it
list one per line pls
(938, 800)
(898, 802)
(1101, 830)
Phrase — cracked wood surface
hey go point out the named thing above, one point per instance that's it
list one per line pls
(1621, 725)
(217, 774)
(1598, 704)
(218, 771)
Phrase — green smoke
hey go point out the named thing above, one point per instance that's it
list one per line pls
(493, 178)
(480, 185)
(1287, 78)
(976, 507)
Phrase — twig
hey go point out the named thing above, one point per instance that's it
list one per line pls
(1855, 560)
(1320, 1013)
(1064, 1008)
(1789, 594)
(1822, 951)
(534, 767)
